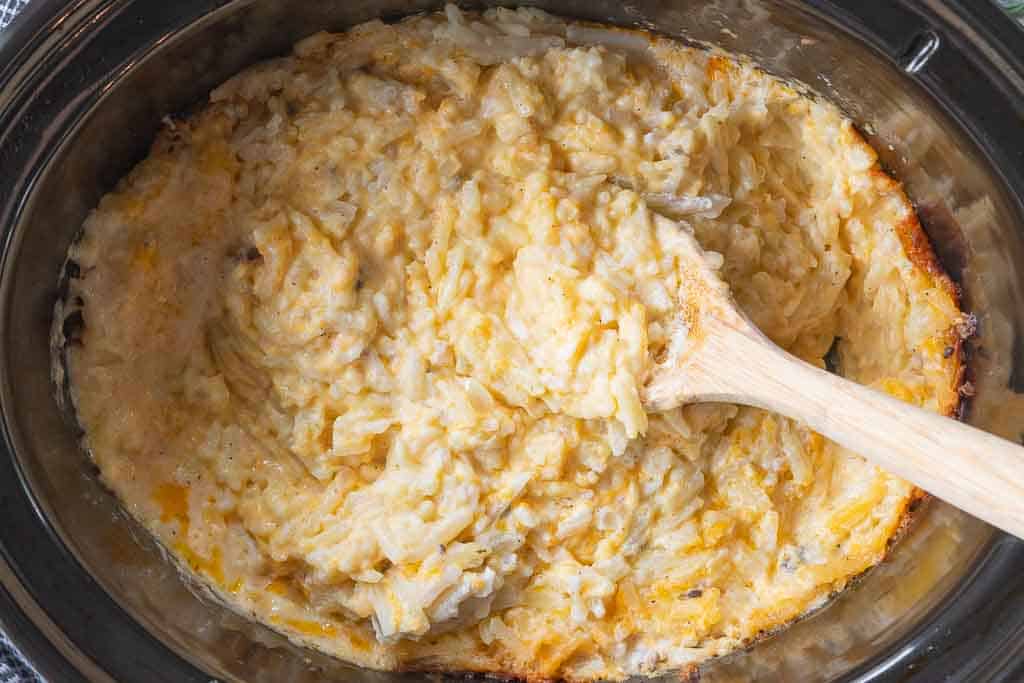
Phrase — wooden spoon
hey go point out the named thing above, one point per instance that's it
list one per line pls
(717, 354)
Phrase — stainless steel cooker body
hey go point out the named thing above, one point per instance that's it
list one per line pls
(938, 87)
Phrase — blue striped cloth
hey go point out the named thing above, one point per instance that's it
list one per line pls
(8, 10)
(13, 667)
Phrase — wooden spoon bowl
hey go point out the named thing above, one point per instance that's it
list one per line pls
(717, 354)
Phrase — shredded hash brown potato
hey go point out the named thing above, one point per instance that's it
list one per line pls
(364, 338)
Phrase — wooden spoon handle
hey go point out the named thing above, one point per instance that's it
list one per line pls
(979, 473)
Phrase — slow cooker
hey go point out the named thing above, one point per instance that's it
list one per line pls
(937, 86)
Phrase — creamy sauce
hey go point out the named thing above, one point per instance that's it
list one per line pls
(364, 338)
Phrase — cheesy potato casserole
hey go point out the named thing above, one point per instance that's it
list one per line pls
(362, 342)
